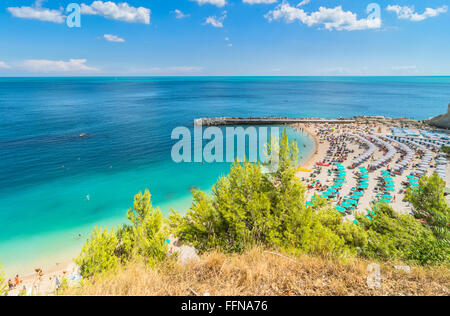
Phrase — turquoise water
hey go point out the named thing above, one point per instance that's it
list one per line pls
(43, 205)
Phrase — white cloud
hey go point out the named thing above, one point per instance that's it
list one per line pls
(216, 21)
(304, 2)
(259, 1)
(407, 13)
(121, 11)
(113, 38)
(218, 3)
(329, 18)
(46, 66)
(4, 65)
(37, 13)
(180, 15)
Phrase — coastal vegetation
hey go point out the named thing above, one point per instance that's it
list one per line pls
(144, 238)
(250, 208)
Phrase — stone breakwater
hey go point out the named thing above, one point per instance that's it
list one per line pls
(223, 121)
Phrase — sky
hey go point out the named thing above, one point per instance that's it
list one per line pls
(225, 37)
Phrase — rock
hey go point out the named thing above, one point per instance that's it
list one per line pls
(441, 121)
(403, 268)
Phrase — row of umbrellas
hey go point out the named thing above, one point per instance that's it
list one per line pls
(389, 155)
(413, 181)
(408, 158)
(368, 153)
(425, 163)
(353, 200)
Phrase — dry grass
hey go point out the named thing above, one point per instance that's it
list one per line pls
(263, 274)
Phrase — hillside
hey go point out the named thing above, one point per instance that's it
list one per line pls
(261, 273)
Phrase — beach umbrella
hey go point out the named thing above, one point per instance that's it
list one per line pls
(355, 222)
(373, 213)
(355, 197)
(346, 205)
(363, 186)
(352, 201)
(385, 200)
(390, 189)
(387, 197)
(389, 181)
(336, 186)
(340, 208)
(331, 190)
(308, 203)
(326, 193)
(358, 193)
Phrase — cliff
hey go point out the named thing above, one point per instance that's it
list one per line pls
(441, 121)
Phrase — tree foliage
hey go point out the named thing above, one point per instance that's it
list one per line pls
(249, 207)
(430, 204)
(98, 253)
(394, 236)
(144, 238)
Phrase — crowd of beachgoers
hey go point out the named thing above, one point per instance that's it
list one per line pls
(356, 165)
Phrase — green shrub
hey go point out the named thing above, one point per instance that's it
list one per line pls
(98, 253)
(249, 207)
(427, 250)
(430, 204)
(392, 236)
(145, 238)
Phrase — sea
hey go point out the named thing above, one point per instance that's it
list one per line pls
(56, 186)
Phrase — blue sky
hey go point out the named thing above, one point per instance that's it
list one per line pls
(225, 37)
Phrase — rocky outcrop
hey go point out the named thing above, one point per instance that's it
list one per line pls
(441, 121)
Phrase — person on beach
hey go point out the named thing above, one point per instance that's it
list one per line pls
(10, 285)
(17, 280)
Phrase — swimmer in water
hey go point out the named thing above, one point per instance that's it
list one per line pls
(88, 197)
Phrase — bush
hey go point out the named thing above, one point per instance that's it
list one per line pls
(430, 205)
(98, 253)
(394, 236)
(145, 238)
(425, 250)
(250, 207)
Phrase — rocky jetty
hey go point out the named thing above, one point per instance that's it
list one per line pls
(441, 121)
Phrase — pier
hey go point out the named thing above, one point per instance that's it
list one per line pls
(220, 121)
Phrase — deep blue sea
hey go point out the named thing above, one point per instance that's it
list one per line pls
(47, 170)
